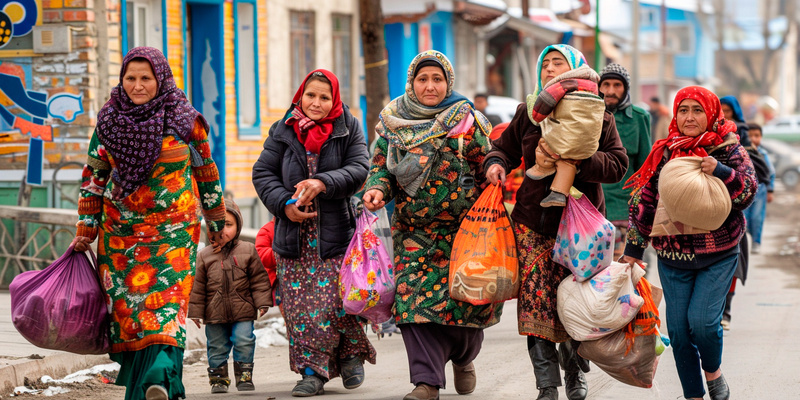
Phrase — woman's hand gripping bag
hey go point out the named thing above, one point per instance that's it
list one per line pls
(483, 262)
(366, 279)
(585, 240)
(601, 305)
(62, 307)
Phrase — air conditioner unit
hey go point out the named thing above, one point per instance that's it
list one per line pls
(52, 39)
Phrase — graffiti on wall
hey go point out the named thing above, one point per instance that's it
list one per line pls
(17, 19)
(27, 111)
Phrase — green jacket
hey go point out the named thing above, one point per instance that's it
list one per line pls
(633, 125)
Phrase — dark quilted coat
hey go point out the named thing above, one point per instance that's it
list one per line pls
(342, 165)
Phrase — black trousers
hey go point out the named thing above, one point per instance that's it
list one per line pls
(430, 346)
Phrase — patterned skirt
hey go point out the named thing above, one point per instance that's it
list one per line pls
(537, 314)
(320, 333)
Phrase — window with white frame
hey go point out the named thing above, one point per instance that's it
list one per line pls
(302, 45)
(143, 24)
(343, 54)
(246, 68)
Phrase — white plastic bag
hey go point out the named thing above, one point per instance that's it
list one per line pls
(601, 305)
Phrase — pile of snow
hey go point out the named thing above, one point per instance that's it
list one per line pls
(75, 377)
(271, 332)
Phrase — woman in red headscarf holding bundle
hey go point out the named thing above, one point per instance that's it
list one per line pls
(313, 161)
(695, 265)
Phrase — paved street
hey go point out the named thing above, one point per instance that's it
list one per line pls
(761, 355)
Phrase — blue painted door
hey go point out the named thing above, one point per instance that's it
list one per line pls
(206, 74)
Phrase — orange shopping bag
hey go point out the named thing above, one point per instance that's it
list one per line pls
(483, 263)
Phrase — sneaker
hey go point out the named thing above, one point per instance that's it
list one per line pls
(156, 392)
(465, 378)
(352, 370)
(423, 391)
(309, 386)
(726, 325)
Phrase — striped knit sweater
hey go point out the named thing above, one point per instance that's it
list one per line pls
(736, 170)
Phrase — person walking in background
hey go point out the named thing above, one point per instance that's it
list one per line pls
(757, 212)
(142, 207)
(313, 161)
(659, 119)
(481, 102)
(753, 215)
(633, 125)
(514, 178)
(535, 228)
(231, 289)
(264, 239)
(733, 112)
(695, 269)
(430, 146)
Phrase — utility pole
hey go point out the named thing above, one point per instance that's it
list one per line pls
(598, 64)
(636, 89)
(662, 57)
(376, 66)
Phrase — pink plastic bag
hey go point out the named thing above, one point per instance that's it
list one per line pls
(585, 240)
(366, 280)
(62, 307)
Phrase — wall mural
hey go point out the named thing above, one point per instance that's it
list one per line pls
(17, 19)
(26, 112)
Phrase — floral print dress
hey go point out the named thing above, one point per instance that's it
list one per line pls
(320, 332)
(147, 241)
(425, 226)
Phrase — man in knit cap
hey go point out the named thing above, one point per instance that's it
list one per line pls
(633, 125)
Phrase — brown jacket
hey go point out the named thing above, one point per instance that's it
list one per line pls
(519, 141)
(232, 285)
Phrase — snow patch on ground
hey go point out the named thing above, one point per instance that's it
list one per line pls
(271, 332)
(82, 375)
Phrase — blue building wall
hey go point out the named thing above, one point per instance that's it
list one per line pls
(402, 45)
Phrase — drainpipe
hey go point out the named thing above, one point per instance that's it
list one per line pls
(598, 64)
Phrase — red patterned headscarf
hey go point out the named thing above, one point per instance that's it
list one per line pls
(717, 128)
(312, 134)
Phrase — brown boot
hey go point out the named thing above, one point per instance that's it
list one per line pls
(423, 392)
(244, 376)
(218, 378)
(464, 378)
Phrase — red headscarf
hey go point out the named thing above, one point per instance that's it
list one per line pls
(717, 127)
(312, 134)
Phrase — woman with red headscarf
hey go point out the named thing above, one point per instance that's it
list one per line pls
(313, 161)
(695, 269)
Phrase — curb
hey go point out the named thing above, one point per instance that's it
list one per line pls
(57, 366)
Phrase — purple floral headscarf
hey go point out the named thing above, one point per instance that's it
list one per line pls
(132, 133)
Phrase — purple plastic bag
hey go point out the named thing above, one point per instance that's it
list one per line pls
(366, 279)
(62, 307)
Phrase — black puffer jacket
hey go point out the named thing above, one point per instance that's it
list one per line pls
(342, 165)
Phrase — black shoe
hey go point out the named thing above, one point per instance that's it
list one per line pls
(576, 386)
(352, 370)
(718, 389)
(548, 393)
(309, 386)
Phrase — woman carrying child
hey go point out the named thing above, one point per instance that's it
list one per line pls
(536, 226)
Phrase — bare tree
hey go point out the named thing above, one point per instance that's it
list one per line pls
(757, 78)
(376, 68)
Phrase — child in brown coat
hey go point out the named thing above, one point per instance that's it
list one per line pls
(231, 289)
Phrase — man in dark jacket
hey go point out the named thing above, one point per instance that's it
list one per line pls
(633, 125)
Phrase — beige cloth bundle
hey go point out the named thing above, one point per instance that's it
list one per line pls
(573, 129)
(692, 197)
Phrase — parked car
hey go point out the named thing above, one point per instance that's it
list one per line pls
(786, 160)
(783, 128)
(503, 107)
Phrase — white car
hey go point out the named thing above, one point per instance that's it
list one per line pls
(786, 160)
(783, 128)
(503, 107)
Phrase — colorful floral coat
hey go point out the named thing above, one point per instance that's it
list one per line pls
(424, 227)
(147, 241)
